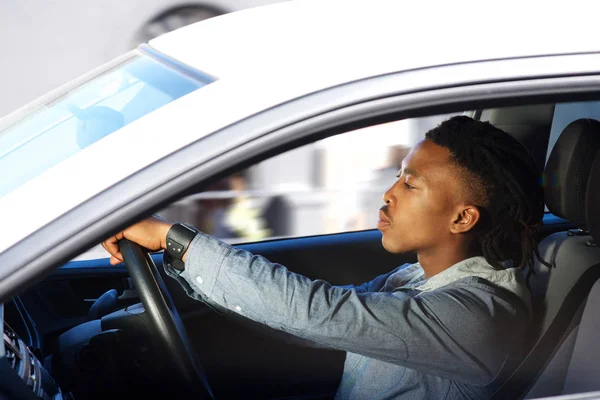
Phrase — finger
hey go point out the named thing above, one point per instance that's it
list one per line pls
(111, 244)
(114, 260)
(112, 248)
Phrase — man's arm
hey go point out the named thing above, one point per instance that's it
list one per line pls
(462, 333)
(374, 285)
(371, 286)
(449, 333)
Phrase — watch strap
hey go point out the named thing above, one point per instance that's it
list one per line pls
(178, 240)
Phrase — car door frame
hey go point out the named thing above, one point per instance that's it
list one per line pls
(354, 105)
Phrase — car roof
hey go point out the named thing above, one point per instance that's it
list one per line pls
(336, 41)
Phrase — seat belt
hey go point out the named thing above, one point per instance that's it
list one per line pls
(584, 369)
(518, 384)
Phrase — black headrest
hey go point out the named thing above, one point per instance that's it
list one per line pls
(568, 170)
(592, 209)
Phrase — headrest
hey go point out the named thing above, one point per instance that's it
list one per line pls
(568, 170)
(592, 209)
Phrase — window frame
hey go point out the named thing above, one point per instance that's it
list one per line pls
(295, 123)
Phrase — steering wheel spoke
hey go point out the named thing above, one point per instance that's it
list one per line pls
(167, 328)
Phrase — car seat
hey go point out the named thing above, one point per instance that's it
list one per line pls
(568, 184)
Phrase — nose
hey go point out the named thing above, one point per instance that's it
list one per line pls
(389, 197)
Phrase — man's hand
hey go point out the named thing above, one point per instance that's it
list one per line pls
(150, 233)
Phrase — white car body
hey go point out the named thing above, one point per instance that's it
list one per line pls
(264, 58)
(256, 70)
(49, 43)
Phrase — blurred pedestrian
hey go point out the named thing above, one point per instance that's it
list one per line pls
(244, 217)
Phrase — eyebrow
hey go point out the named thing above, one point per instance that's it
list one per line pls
(413, 172)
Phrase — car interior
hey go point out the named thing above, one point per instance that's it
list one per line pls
(81, 330)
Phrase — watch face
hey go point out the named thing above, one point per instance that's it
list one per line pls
(175, 248)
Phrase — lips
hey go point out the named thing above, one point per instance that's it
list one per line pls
(384, 220)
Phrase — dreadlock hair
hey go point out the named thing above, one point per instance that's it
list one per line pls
(500, 174)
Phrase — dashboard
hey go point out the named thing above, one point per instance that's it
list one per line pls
(22, 375)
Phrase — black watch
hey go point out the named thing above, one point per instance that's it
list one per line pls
(178, 240)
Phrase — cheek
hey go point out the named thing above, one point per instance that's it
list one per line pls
(422, 206)
(419, 219)
(423, 233)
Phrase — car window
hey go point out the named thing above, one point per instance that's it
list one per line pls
(330, 186)
(76, 119)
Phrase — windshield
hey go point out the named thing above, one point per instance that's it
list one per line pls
(84, 115)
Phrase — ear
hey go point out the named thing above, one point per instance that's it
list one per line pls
(465, 219)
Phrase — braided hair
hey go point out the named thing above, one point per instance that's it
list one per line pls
(502, 179)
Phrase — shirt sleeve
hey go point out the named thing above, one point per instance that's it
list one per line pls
(449, 333)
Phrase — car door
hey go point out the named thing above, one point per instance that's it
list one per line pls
(308, 229)
(65, 298)
(290, 251)
(323, 231)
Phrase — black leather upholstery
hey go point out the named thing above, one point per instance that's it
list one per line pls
(592, 209)
(568, 185)
(568, 170)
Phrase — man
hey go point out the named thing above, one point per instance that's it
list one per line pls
(468, 201)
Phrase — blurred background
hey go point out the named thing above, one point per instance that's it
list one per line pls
(331, 186)
(46, 43)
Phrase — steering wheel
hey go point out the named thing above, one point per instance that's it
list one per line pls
(166, 325)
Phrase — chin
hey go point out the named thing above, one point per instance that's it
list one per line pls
(392, 246)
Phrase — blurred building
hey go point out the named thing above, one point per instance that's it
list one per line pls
(330, 186)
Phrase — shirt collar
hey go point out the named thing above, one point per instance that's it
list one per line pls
(510, 279)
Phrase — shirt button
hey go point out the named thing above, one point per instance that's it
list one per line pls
(238, 308)
(199, 280)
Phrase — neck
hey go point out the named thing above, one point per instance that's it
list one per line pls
(438, 259)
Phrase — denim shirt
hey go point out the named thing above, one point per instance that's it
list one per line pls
(456, 335)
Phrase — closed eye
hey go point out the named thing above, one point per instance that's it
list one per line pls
(406, 185)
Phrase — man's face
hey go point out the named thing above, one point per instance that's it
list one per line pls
(421, 205)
